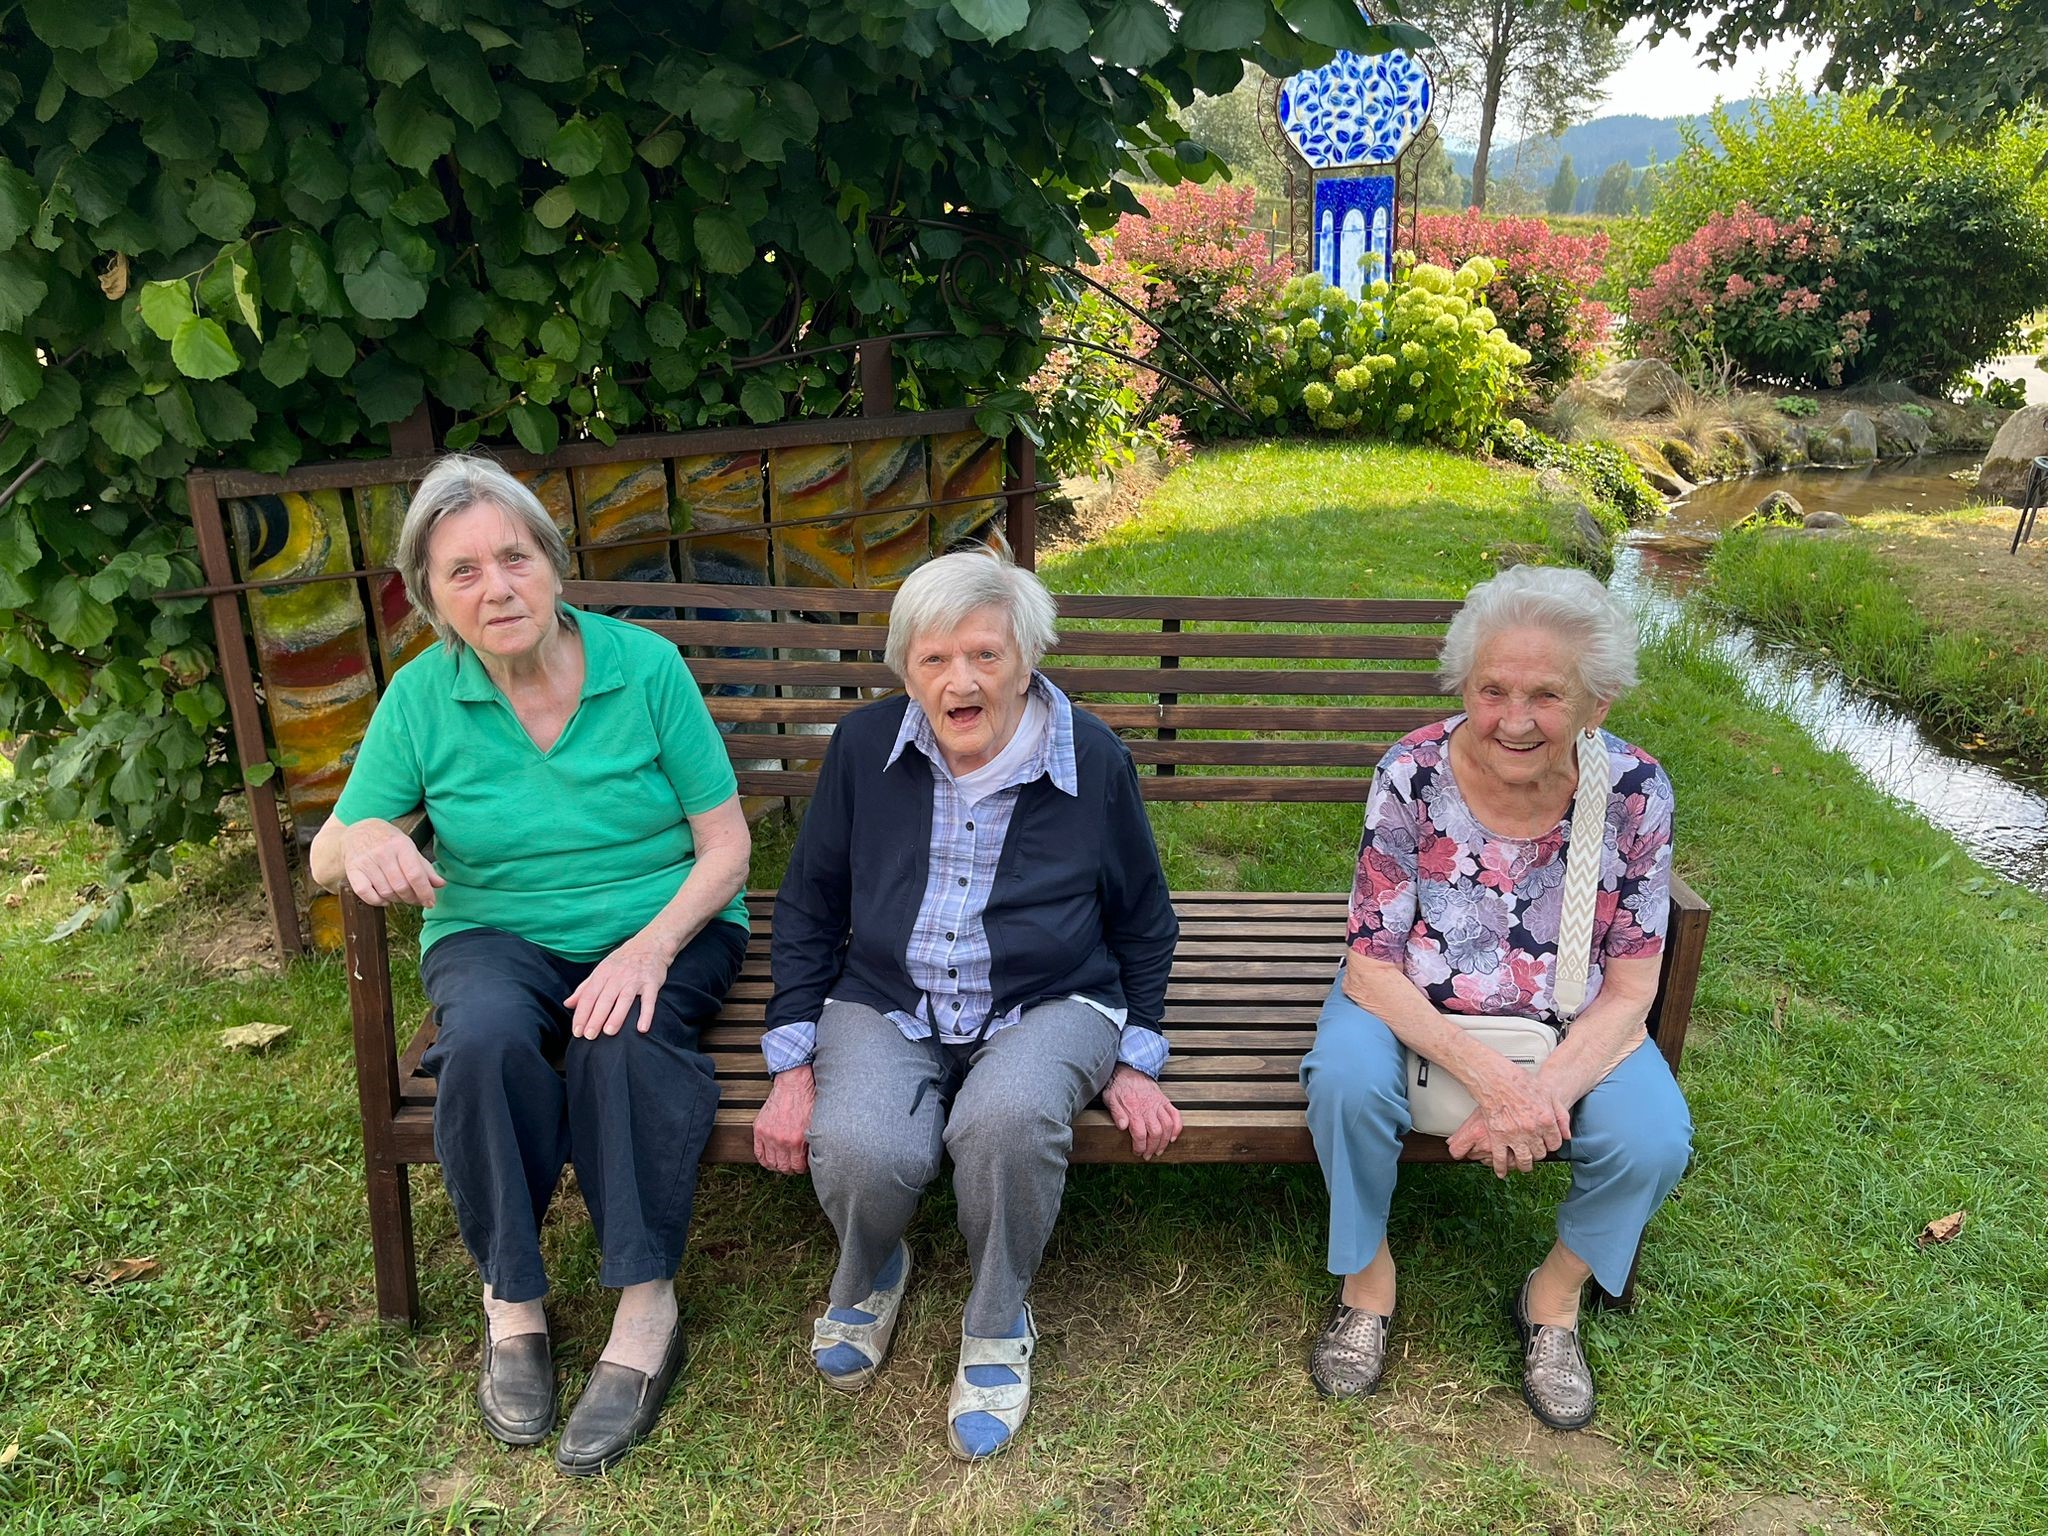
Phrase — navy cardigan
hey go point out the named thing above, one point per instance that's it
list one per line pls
(1079, 904)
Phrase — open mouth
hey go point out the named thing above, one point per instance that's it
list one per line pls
(1521, 748)
(964, 719)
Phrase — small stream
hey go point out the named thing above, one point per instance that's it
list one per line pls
(1995, 810)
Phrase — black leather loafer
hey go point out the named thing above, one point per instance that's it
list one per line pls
(615, 1412)
(515, 1388)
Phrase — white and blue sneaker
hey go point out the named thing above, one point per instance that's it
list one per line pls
(991, 1391)
(849, 1344)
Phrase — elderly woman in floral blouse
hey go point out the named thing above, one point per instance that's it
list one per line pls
(1455, 913)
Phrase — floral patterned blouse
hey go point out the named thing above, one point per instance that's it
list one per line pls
(1470, 916)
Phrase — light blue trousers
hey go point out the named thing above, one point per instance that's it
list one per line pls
(1631, 1137)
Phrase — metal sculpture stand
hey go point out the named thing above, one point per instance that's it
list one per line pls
(2030, 504)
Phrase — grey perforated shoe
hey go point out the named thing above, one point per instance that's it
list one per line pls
(1557, 1384)
(1349, 1356)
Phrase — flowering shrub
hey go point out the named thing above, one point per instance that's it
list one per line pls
(1540, 287)
(1095, 409)
(1950, 238)
(1206, 277)
(1422, 357)
(1757, 291)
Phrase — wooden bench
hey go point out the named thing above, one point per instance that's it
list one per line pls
(1219, 699)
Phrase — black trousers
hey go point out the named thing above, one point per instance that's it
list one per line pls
(518, 1097)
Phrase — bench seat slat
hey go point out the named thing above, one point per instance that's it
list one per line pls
(1323, 719)
(1080, 681)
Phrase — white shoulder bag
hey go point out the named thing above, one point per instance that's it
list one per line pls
(1437, 1102)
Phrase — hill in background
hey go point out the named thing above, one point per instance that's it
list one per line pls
(1594, 146)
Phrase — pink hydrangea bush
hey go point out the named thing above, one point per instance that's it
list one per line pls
(1206, 276)
(1097, 410)
(1541, 285)
(1756, 293)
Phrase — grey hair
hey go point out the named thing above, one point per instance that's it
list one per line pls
(457, 482)
(941, 593)
(1570, 604)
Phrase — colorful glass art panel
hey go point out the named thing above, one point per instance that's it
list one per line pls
(963, 465)
(890, 473)
(1354, 218)
(551, 488)
(1357, 110)
(313, 648)
(625, 505)
(402, 631)
(813, 483)
(721, 499)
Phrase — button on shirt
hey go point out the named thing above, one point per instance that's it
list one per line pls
(948, 956)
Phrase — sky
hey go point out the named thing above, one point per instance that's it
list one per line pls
(1668, 79)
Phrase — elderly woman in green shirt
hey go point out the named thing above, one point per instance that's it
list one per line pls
(583, 921)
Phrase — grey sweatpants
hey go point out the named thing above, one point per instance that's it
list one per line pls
(1003, 1108)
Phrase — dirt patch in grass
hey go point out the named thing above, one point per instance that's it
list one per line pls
(1961, 577)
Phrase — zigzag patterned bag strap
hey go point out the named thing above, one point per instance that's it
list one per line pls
(1582, 861)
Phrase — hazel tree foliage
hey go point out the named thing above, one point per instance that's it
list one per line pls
(254, 232)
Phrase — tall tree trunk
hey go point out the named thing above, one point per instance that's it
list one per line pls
(1490, 88)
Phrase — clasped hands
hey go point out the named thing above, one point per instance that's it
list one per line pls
(1520, 1120)
(384, 866)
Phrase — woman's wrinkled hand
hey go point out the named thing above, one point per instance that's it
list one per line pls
(782, 1128)
(1518, 1122)
(383, 865)
(1140, 1106)
(632, 973)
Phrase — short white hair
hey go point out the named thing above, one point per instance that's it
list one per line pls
(457, 482)
(941, 593)
(1570, 604)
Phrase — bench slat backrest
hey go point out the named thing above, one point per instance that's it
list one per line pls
(1292, 699)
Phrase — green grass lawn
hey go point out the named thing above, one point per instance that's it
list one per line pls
(1866, 1056)
(1929, 608)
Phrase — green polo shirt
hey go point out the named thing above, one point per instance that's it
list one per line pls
(575, 848)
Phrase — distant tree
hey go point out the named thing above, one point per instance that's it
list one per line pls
(1564, 188)
(1542, 62)
(1648, 186)
(1228, 127)
(1611, 195)
(1960, 61)
(1437, 182)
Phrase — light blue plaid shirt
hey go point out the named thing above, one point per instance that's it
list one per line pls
(948, 955)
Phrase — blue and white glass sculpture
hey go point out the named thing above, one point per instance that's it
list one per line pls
(1352, 120)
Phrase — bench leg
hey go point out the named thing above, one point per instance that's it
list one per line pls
(1625, 1300)
(398, 1278)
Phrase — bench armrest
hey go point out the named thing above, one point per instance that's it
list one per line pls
(366, 953)
(1685, 943)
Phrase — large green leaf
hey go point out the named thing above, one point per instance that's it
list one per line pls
(21, 376)
(1059, 26)
(993, 19)
(1334, 23)
(575, 149)
(221, 205)
(53, 406)
(723, 103)
(413, 134)
(74, 615)
(722, 240)
(286, 357)
(1135, 34)
(386, 388)
(1223, 25)
(72, 23)
(166, 306)
(463, 80)
(19, 199)
(316, 171)
(385, 290)
(761, 400)
(126, 430)
(201, 350)
(21, 290)
(549, 53)
(535, 426)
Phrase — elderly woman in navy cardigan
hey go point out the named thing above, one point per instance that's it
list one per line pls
(971, 944)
